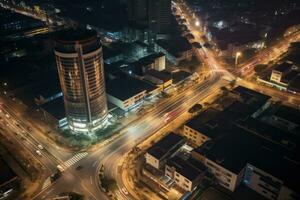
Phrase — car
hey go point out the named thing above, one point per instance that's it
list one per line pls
(79, 167)
(40, 147)
(38, 152)
(125, 191)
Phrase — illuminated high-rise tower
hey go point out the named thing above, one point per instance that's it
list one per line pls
(80, 67)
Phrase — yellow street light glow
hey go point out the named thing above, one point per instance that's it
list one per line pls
(238, 54)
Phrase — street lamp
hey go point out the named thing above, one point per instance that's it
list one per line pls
(197, 23)
(237, 55)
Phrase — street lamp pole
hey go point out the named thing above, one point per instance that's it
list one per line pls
(237, 55)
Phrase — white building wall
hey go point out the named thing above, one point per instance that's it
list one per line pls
(224, 177)
(129, 103)
(262, 182)
(183, 182)
(160, 63)
(194, 136)
(152, 161)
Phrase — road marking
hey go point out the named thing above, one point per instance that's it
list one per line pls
(75, 159)
(91, 180)
(95, 163)
(46, 183)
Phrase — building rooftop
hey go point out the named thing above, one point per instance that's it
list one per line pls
(290, 76)
(289, 114)
(175, 46)
(294, 85)
(205, 123)
(240, 146)
(212, 122)
(56, 108)
(150, 58)
(283, 67)
(6, 173)
(161, 75)
(250, 96)
(190, 169)
(252, 99)
(167, 144)
(125, 87)
(241, 35)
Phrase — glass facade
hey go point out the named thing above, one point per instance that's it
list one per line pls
(80, 66)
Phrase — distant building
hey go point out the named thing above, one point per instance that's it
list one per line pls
(8, 179)
(158, 153)
(14, 23)
(160, 15)
(80, 66)
(137, 11)
(153, 15)
(186, 173)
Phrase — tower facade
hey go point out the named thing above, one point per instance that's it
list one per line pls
(160, 16)
(79, 62)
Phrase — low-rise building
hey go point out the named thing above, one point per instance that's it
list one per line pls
(176, 50)
(254, 102)
(200, 129)
(186, 173)
(161, 79)
(127, 92)
(204, 127)
(54, 112)
(157, 154)
(246, 155)
(286, 117)
(156, 61)
(279, 72)
(284, 77)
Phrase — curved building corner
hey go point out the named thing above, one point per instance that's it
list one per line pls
(79, 61)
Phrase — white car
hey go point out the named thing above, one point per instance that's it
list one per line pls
(40, 147)
(124, 191)
(38, 152)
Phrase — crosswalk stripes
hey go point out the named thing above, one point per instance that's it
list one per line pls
(46, 183)
(75, 159)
